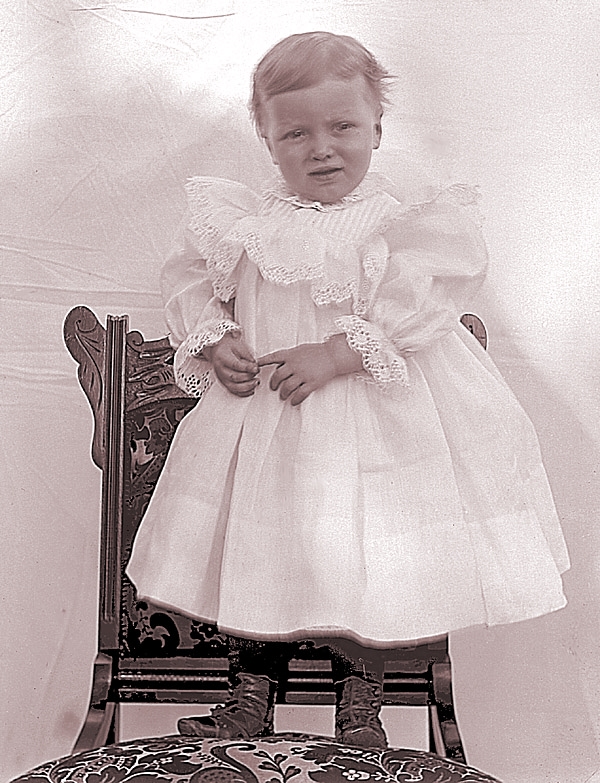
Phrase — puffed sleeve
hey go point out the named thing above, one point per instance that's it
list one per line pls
(199, 278)
(436, 261)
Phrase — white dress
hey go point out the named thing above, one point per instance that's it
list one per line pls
(403, 501)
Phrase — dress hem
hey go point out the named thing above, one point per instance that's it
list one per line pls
(331, 632)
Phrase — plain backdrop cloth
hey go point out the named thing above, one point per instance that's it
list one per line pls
(106, 108)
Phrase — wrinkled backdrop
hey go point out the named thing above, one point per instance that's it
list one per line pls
(105, 109)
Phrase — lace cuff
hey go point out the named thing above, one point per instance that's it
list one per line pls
(192, 379)
(379, 356)
(192, 371)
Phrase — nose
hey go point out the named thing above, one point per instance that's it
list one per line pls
(321, 147)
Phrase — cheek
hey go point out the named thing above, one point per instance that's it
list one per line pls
(360, 148)
(289, 160)
(360, 156)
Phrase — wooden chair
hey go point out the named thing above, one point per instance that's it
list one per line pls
(146, 654)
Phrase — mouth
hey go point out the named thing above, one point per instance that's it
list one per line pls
(325, 172)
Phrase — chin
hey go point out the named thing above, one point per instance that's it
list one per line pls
(328, 190)
(327, 195)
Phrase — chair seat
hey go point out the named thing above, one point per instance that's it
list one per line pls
(278, 759)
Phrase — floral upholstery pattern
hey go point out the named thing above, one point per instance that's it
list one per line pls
(278, 759)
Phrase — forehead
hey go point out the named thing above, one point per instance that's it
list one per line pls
(328, 99)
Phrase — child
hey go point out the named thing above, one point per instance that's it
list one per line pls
(357, 468)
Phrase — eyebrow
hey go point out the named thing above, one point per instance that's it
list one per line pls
(340, 116)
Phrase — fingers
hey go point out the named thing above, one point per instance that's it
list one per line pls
(281, 374)
(231, 377)
(232, 353)
(285, 377)
(240, 383)
(234, 376)
(240, 364)
(288, 385)
(277, 357)
(235, 366)
(294, 390)
(229, 362)
(240, 347)
(242, 360)
(300, 394)
(243, 389)
(237, 370)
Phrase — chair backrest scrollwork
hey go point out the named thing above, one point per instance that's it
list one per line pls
(137, 407)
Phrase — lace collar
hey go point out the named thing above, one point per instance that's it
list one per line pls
(371, 184)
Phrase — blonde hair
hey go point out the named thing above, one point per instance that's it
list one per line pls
(303, 60)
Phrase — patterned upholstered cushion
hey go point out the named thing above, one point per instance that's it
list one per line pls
(279, 759)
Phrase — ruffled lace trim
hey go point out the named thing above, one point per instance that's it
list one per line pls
(371, 184)
(220, 265)
(457, 193)
(379, 358)
(253, 244)
(332, 258)
(211, 333)
(189, 355)
(224, 229)
(323, 291)
(210, 222)
(194, 384)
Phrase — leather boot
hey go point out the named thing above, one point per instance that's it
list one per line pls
(247, 713)
(357, 722)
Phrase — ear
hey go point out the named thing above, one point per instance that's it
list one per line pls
(376, 135)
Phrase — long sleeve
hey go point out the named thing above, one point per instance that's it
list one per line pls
(195, 316)
(437, 260)
(199, 279)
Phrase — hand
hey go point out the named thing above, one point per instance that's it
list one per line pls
(233, 364)
(307, 367)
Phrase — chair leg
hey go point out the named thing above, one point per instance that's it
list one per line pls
(100, 728)
(445, 737)
(100, 725)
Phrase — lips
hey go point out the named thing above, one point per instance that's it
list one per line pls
(324, 172)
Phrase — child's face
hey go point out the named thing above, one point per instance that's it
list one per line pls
(322, 137)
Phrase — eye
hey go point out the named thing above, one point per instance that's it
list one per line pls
(297, 133)
(343, 126)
